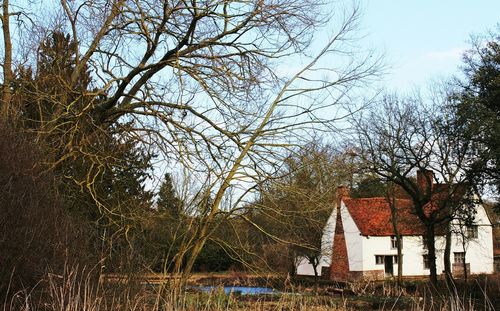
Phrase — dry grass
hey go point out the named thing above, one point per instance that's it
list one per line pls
(75, 291)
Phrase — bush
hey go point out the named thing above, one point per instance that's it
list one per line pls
(36, 236)
(214, 258)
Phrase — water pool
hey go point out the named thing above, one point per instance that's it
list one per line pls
(241, 290)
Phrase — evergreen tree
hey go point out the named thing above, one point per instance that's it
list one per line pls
(168, 201)
(45, 94)
(100, 171)
(477, 110)
(369, 186)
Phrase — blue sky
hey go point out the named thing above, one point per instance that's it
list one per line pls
(423, 39)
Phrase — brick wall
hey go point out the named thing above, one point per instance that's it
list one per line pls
(339, 269)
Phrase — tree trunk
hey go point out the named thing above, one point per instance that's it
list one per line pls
(6, 108)
(465, 267)
(400, 258)
(315, 263)
(447, 256)
(292, 269)
(394, 219)
(432, 254)
(464, 247)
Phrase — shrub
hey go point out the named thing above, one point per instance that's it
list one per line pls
(36, 236)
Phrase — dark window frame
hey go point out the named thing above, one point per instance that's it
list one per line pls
(394, 242)
(380, 259)
(424, 242)
(425, 259)
(459, 257)
(472, 231)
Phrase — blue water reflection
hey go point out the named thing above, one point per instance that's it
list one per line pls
(241, 290)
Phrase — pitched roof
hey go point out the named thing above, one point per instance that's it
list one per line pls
(373, 216)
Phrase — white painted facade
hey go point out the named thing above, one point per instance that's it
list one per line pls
(362, 250)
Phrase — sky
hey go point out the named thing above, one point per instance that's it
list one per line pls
(423, 39)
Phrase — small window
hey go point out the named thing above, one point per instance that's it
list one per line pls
(472, 232)
(424, 242)
(459, 257)
(379, 259)
(395, 259)
(426, 261)
(394, 242)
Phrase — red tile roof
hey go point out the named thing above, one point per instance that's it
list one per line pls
(373, 216)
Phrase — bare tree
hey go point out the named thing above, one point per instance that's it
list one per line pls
(405, 136)
(293, 208)
(391, 199)
(203, 83)
(7, 62)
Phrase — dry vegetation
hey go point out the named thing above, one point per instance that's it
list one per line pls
(76, 291)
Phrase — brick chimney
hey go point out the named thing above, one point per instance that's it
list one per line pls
(424, 179)
(339, 268)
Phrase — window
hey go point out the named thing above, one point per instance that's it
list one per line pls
(394, 242)
(395, 259)
(472, 232)
(459, 257)
(380, 259)
(424, 241)
(426, 261)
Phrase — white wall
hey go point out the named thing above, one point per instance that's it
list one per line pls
(375, 245)
(413, 251)
(479, 251)
(305, 268)
(354, 240)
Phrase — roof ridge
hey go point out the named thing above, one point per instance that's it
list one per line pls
(375, 198)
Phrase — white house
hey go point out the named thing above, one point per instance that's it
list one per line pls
(358, 242)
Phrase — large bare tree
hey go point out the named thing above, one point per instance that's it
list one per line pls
(220, 88)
